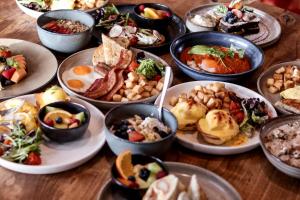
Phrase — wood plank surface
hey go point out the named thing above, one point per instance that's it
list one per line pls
(250, 173)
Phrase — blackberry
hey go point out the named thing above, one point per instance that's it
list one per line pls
(2, 60)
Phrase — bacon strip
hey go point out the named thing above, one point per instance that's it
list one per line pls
(116, 88)
(103, 86)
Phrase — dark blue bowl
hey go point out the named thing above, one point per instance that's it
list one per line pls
(253, 52)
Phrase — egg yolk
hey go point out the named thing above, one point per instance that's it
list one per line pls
(82, 70)
(73, 83)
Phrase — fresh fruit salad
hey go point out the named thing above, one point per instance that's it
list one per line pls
(151, 13)
(137, 176)
(141, 129)
(12, 67)
(62, 119)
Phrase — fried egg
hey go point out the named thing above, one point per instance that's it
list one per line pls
(80, 78)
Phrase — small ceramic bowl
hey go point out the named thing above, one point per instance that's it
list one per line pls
(64, 135)
(118, 145)
(136, 159)
(211, 38)
(275, 161)
(65, 43)
(152, 23)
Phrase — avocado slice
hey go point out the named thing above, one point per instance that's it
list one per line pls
(81, 117)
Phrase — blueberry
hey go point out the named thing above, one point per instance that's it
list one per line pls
(58, 120)
(140, 56)
(144, 174)
(122, 134)
(131, 178)
(232, 20)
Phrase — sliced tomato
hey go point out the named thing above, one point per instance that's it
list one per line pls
(239, 117)
(1, 151)
(133, 65)
(234, 106)
(33, 159)
(5, 54)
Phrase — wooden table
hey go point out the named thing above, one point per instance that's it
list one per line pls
(250, 173)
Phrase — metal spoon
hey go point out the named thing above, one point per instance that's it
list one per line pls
(164, 91)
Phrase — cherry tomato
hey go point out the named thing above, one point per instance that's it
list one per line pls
(33, 159)
(133, 65)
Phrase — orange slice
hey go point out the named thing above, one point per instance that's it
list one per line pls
(52, 115)
(124, 164)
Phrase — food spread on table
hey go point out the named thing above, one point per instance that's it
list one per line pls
(171, 187)
(216, 59)
(284, 141)
(47, 5)
(218, 114)
(118, 25)
(118, 74)
(139, 129)
(13, 68)
(65, 26)
(137, 176)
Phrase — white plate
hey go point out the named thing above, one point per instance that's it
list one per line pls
(191, 141)
(36, 14)
(61, 157)
(41, 66)
(84, 57)
(267, 22)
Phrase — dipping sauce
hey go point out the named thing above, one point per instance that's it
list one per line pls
(215, 59)
(64, 26)
(137, 129)
(284, 143)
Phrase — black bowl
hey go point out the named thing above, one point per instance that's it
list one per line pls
(153, 23)
(252, 52)
(135, 193)
(64, 135)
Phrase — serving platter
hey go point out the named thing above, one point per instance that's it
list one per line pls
(61, 157)
(262, 84)
(41, 65)
(85, 58)
(193, 141)
(36, 14)
(213, 185)
(270, 29)
(175, 29)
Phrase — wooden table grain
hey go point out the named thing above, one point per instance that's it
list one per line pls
(250, 173)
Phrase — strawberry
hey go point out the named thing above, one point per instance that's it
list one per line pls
(135, 136)
(9, 73)
(49, 122)
(141, 8)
